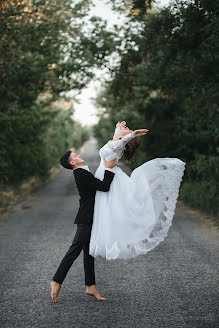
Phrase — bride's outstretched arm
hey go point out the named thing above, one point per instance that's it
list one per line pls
(118, 145)
(133, 134)
(138, 133)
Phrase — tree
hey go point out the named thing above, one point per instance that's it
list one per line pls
(44, 50)
(167, 82)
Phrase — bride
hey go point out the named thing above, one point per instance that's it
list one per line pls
(137, 212)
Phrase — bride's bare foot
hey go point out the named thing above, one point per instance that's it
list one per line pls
(92, 291)
(55, 288)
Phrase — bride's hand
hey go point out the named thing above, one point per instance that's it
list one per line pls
(121, 125)
(138, 133)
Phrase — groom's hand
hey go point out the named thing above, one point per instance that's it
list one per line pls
(111, 163)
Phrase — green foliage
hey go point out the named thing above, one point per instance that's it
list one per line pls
(44, 47)
(21, 143)
(44, 50)
(168, 84)
(63, 134)
(33, 140)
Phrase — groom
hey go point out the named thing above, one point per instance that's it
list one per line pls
(87, 185)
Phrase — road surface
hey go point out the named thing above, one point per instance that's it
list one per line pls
(174, 285)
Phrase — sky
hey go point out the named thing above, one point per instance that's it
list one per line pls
(85, 111)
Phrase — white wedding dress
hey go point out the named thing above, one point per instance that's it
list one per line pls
(137, 212)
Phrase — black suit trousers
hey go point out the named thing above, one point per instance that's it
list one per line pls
(81, 241)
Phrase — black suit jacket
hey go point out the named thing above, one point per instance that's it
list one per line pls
(87, 185)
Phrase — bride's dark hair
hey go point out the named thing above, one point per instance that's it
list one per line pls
(130, 149)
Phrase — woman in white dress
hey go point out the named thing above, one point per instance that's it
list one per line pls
(137, 212)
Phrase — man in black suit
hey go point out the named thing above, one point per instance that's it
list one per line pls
(87, 185)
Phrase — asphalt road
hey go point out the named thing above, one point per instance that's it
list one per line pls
(174, 285)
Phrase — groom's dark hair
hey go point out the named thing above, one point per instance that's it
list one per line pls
(64, 160)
